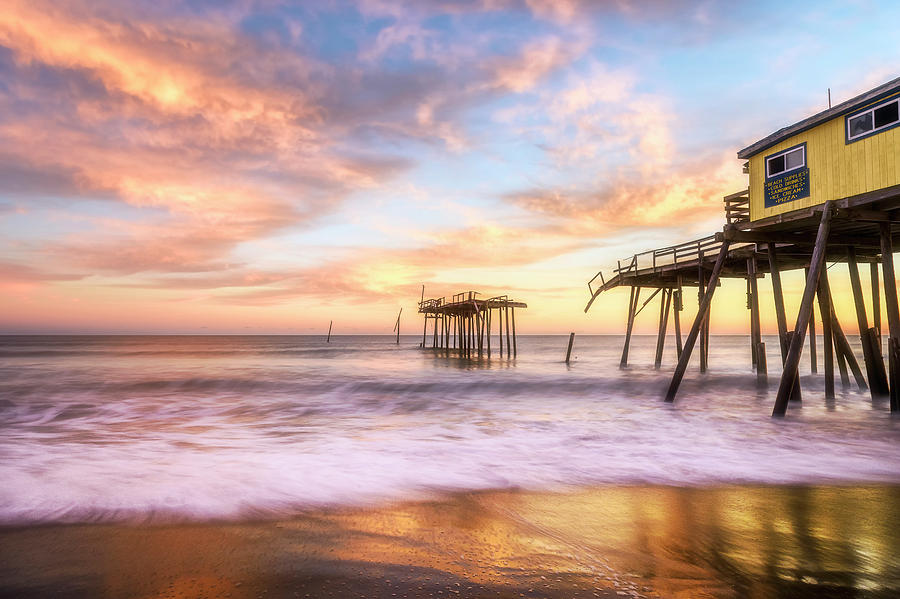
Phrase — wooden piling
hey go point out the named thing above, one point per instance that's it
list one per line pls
(328, 339)
(500, 330)
(506, 313)
(755, 328)
(871, 354)
(845, 354)
(569, 349)
(780, 317)
(792, 361)
(677, 307)
(813, 366)
(488, 326)
(762, 372)
(702, 310)
(876, 301)
(893, 313)
(827, 333)
(841, 361)
(701, 293)
(632, 309)
(515, 349)
(665, 301)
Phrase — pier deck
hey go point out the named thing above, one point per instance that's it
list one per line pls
(463, 324)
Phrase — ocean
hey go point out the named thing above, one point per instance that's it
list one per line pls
(198, 428)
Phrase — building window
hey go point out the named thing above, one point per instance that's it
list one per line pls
(873, 120)
(786, 161)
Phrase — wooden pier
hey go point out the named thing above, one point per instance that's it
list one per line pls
(463, 325)
(793, 216)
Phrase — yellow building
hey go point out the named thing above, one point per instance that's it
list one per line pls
(846, 151)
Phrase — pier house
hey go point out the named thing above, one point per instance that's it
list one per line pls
(823, 190)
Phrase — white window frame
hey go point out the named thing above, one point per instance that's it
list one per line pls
(872, 110)
(802, 148)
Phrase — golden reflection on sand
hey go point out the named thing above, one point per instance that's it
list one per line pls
(618, 541)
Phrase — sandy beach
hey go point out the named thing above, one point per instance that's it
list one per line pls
(640, 541)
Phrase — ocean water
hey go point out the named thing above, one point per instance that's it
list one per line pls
(153, 428)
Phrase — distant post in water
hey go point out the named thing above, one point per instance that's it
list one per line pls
(569, 350)
(397, 326)
(328, 340)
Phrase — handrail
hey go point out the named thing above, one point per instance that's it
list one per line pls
(737, 207)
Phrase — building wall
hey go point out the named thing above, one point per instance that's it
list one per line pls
(836, 169)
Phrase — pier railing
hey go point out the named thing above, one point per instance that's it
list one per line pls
(654, 261)
(737, 207)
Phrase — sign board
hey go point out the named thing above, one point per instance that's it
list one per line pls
(788, 187)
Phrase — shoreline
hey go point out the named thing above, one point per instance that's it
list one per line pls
(638, 541)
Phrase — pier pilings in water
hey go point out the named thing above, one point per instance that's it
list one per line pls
(466, 321)
(858, 230)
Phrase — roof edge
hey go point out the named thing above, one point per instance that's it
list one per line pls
(816, 119)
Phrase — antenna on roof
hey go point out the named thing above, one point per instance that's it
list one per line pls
(829, 97)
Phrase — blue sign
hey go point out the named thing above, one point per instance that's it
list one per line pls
(787, 187)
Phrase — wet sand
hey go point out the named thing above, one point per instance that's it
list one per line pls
(735, 541)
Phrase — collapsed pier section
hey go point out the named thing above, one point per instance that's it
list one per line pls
(464, 324)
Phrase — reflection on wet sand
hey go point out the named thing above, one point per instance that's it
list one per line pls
(735, 541)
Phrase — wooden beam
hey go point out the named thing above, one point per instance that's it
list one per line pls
(515, 350)
(754, 236)
(813, 366)
(569, 350)
(878, 386)
(702, 288)
(827, 337)
(845, 352)
(893, 314)
(677, 307)
(665, 302)
(780, 317)
(864, 215)
(876, 300)
(702, 310)
(632, 309)
(755, 329)
(812, 282)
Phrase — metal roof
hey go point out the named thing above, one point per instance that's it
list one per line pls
(826, 115)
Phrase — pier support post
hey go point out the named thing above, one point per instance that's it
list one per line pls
(702, 310)
(755, 329)
(665, 301)
(515, 351)
(792, 361)
(328, 339)
(677, 307)
(876, 301)
(508, 346)
(871, 354)
(813, 366)
(893, 313)
(845, 354)
(780, 317)
(569, 350)
(632, 309)
(500, 329)
(827, 334)
(704, 326)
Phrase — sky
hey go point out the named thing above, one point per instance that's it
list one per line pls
(267, 167)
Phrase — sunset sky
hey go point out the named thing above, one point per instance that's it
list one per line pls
(265, 167)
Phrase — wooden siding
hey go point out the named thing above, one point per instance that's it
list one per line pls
(836, 169)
